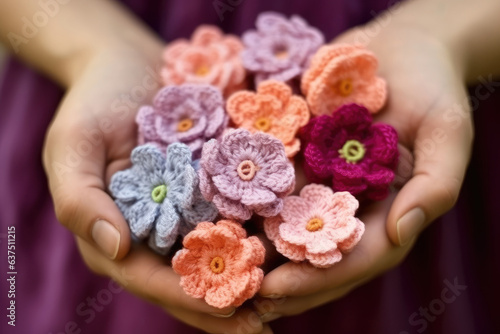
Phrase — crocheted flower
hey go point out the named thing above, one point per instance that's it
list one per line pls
(347, 150)
(279, 49)
(318, 226)
(159, 197)
(273, 110)
(219, 263)
(190, 114)
(210, 58)
(341, 74)
(245, 173)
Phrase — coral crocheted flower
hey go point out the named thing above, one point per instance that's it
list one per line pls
(273, 110)
(347, 150)
(190, 114)
(220, 264)
(159, 197)
(209, 58)
(279, 49)
(341, 74)
(245, 173)
(318, 226)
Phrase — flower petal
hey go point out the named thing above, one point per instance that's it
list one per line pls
(348, 243)
(194, 285)
(231, 209)
(125, 186)
(221, 296)
(325, 260)
(320, 243)
(148, 163)
(166, 228)
(383, 145)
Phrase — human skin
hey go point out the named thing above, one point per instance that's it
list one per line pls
(100, 58)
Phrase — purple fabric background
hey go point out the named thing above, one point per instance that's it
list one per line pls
(53, 281)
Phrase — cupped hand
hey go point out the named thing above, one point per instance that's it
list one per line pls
(428, 106)
(91, 138)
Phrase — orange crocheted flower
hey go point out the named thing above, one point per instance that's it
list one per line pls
(273, 109)
(318, 226)
(209, 58)
(341, 74)
(219, 263)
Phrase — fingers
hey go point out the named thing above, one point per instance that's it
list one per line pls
(75, 169)
(441, 155)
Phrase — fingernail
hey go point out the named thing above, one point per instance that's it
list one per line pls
(267, 317)
(107, 237)
(409, 225)
(218, 315)
(273, 296)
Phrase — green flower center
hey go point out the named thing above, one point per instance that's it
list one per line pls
(352, 151)
(159, 193)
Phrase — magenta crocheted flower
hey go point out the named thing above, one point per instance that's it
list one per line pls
(245, 173)
(318, 225)
(351, 153)
(210, 57)
(220, 264)
(190, 114)
(279, 49)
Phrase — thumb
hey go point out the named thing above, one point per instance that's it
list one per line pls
(80, 201)
(441, 154)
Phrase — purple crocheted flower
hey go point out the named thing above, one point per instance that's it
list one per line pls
(190, 114)
(245, 173)
(279, 49)
(347, 150)
(160, 197)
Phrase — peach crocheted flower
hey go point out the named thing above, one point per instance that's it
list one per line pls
(219, 263)
(273, 109)
(209, 58)
(341, 74)
(318, 226)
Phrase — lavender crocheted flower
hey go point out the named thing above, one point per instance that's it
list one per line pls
(245, 173)
(160, 197)
(279, 49)
(189, 113)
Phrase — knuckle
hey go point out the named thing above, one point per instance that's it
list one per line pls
(447, 192)
(66, 210)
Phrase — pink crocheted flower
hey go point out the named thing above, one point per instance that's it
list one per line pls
(190, 114)
(219, 263)
(279, 49)
(273, 109)
(318, 226)
(210, 58)
(245, 173)
(347, 150)
(341, 74)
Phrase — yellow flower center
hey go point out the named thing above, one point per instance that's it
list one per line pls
(246, 170)
(281, 54)
(263, 124)
(345, 87)
(184, 125)
(159, 193)
(352, 151)
(314, 225)
(202, 70)
(217, 265)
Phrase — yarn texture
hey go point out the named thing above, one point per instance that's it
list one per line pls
(210, 57)
(189, 113)
(159, 197)
(349, 151)
(273, 110)
(245, 173)
(279, 49)
(220, 264)
(341, 74)
(317, 226)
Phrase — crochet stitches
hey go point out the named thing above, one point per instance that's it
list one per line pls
(341, 74)
(347, 150)
(318, 226)
(279, 49)
(209, 58)
(274, 110)
(220, 264)
(159, 197)
(245, 173)
(190, 114)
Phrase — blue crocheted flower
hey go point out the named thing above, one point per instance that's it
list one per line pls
(159, 196)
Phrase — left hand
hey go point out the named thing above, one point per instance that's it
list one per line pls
(426, 106)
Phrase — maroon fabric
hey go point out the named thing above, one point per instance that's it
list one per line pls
(55, 291)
